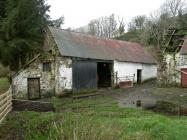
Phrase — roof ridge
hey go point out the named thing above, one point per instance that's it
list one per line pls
(98, 37)
(74, 44)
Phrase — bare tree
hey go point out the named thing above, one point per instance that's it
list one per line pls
(57, 22)
(92, 27)
(121, 28)
(137, 23)
(173, 7)
(157, 27)
(103, 26)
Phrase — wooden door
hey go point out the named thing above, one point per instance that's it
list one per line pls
(84, 75)
(184, 78)
(33, 88)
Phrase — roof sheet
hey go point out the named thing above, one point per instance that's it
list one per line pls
(86, 46)
(184, 47)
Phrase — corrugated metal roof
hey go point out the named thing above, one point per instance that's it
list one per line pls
(184, 47)
(85, 46)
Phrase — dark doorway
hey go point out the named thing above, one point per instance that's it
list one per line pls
(33, 88)
(139, 76)
(104, 74)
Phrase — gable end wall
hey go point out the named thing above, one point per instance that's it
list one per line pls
(35, 70)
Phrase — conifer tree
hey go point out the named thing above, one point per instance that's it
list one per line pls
(21, 30)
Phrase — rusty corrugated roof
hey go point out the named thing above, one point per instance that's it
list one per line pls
(184, 47)
(85, 46)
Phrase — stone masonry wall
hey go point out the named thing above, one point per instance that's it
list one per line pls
(34, 70)
(63, 75)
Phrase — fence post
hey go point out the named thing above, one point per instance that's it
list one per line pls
(116, 73)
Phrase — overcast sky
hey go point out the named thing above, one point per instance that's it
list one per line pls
(79, 12)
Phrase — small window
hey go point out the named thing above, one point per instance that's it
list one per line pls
(50, 52)
(47, 66)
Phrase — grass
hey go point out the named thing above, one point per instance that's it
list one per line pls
(4, 84)
(97, 118)
(4, 71)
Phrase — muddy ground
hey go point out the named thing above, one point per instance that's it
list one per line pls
(149, 93)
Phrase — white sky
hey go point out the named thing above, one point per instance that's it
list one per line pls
(79, 12)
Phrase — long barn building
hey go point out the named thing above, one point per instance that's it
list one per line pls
(73, 61)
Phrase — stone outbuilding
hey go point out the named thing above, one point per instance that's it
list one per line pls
(176, 66)
(74, 62)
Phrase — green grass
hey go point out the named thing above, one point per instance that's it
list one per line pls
(4, 71)
(4, 84)
(97, 118)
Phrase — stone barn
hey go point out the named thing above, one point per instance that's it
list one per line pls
(74, 62)
(176, 65)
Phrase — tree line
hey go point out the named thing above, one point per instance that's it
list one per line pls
(22, 24)
(147, 30)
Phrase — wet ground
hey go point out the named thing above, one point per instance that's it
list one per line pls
(148, 93)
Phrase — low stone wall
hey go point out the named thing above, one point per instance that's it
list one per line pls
(26, 105)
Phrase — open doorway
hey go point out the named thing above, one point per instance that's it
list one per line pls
(104, 74)
(139, 76)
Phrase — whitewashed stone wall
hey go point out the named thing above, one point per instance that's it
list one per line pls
(64, 75)
(130, 69)
(57, 81)
(19, 84)
(149, 71)
(35, 70)
(173, 71)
